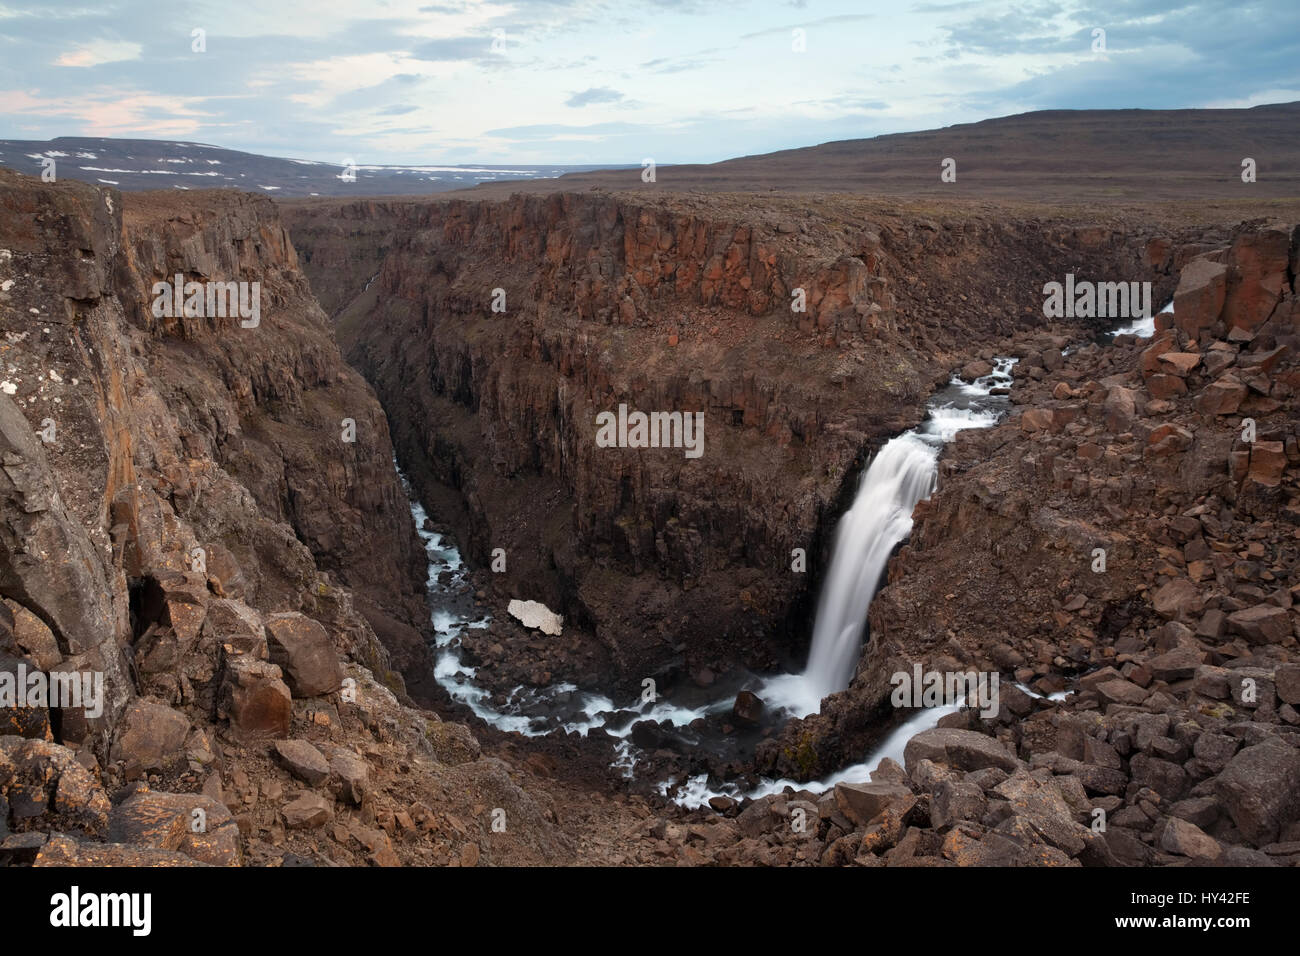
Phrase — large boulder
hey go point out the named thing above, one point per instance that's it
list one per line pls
(302, 648)
(63, 851)
(43, 787)
(1260, 789)
(958, 749)
(1198, 300)
(151, 736)
(1257, 276)
(254, 699)
(191, 823)
(863, 802)
(535, 614)
(1261, 624)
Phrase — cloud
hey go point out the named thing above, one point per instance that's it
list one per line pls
(679, 64)
(100, 51)
(839, 18)
(596, 94)
(455, 48)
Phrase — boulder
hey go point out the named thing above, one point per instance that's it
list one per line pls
(1177, 664)
(955, 801)
(958, 749)
(1261, 624)
(1258, 275)
(1287, 680)
(33, 637)
(1180, 363)
(747, 709)
(1260, 789)
(1120, 409)
(863, 802)
(1164, 386)
(1187, 839)
(151, 736)
(1198, 300)
(302, 648)
(63, 851)
(1267, 462)
(254, 699)
(1163, 776)
(1177, 600)
(1223, 397)
(303, 761)
(1121, 692)
(306, 812)
(351, 776)
(44, 787)
(190, 823)
(452, 743)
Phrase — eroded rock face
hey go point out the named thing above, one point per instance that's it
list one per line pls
(665, 305)
(179, 505)
(177, 434)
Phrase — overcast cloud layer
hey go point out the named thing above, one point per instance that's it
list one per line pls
(601, 81)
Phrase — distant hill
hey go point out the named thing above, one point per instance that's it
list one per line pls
(1047, 156)
(163, 164)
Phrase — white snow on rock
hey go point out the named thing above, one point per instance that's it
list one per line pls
(536, 614)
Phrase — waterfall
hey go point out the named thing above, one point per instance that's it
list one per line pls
(902, 474)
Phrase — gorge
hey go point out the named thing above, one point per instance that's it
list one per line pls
(946, 458)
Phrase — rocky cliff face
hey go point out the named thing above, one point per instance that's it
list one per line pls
(674, 304)
(184, 520)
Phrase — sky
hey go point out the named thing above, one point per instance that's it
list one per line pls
(610, 82)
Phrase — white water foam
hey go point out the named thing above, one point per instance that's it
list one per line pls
(1143, 328)
(902, 473)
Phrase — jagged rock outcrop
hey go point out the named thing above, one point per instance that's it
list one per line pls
(185, 520)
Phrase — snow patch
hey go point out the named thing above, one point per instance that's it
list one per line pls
(536, 614)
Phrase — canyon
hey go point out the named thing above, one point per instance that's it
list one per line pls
(286, 680)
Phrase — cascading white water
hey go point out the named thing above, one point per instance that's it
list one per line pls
(902, 474)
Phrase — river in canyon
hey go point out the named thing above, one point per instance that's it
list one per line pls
(903, 472)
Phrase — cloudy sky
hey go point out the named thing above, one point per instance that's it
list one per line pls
(611, 81)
